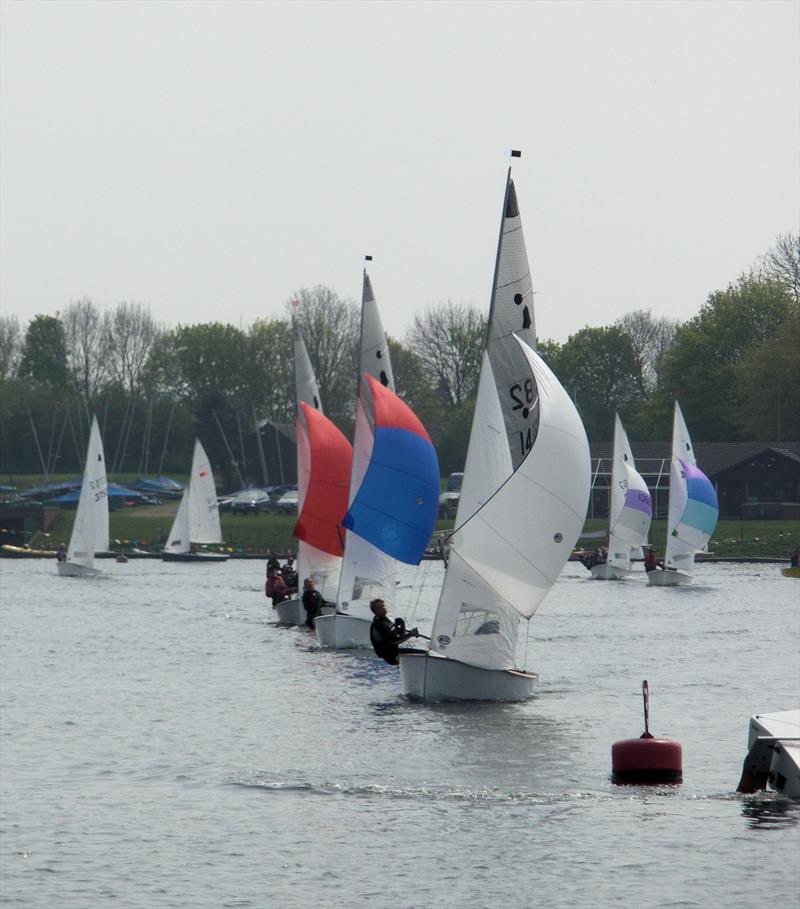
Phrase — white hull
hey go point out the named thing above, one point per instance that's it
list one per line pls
(343, 632)
(774, 753)
(290, 612)
(668, 577)
(430, 677)
(608, 572)
(76, 570)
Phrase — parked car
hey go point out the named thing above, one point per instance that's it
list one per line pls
(275, 492)
(287, 503)
(449, 499)
(251, 501)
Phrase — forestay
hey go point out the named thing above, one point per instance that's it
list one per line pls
(367, 572)
(505, 558)
(90, 529)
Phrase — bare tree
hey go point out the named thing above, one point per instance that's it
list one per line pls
(131, 333)
(330, 328)
(10, 346)
(651, 339)
(87, 345)
(782, 263)
(448, 340)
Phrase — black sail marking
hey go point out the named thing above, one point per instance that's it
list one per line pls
(518, 299)
(384, 378)
(316, 403)
(378, 354)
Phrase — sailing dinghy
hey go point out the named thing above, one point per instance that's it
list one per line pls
(692, 513)
(523, 502)
(197, 519)
(630, 511)
(90, 530)
(367, 571)
(324, 457)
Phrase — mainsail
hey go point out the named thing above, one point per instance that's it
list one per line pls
(367, 571)
(631, 508)
(514, 395)
(693, 507)
(90, 530)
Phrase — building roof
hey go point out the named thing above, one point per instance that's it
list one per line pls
(712, 457)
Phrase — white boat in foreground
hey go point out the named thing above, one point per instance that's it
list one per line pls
(523, 502)
(693, 511)
(90, 530)
(773, 757)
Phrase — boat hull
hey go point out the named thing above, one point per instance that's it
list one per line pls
(667, 577)
(608, 572)
(792, 572)
(773, 758)
(430, 677)
(197, 558)
(76, 570)
(343, 632)
(290, 612)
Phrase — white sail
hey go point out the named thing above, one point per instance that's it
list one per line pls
(505, 558)
(510, 313)
(204, 524)
(366, 571)
(197, 518)
(693, 507)
(178, 540)
(90, 530)
(630, 508)
(311, 562)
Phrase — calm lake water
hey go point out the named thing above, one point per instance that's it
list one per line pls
(163, 744)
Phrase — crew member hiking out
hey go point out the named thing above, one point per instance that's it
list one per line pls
(386, 635)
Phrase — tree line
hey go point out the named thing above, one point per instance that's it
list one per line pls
(734, 366)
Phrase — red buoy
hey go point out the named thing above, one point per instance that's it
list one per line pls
(646, 759)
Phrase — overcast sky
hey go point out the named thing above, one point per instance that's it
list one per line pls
(208, 159)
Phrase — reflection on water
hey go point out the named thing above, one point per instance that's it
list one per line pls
(766, 812)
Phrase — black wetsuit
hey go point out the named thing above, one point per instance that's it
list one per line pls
(313, 603)
(386, 637)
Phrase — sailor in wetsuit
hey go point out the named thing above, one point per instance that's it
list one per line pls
(387, 635)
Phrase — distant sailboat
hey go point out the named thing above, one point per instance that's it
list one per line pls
(523, 502)
(324, 458)
(630, 511)
(693, 510)
(367, 571)
(197, 520)
(90, 530)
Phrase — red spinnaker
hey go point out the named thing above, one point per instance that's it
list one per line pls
(326, 500)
